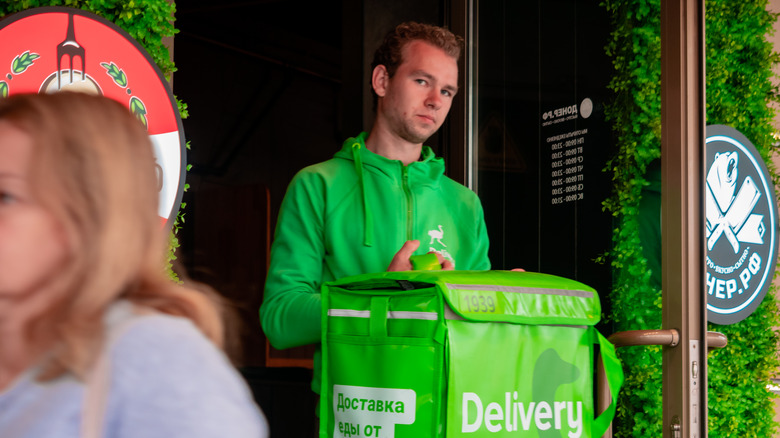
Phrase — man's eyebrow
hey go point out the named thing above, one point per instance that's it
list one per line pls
(426, 75)
(422, 73)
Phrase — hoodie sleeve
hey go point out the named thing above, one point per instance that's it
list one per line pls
(291, 309)
(480, 261)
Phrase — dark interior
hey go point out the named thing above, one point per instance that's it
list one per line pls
(271, 86)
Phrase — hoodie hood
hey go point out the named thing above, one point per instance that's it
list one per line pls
(429, 166)
(354, 148)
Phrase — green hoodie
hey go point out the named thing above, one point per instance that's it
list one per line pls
(350, 215)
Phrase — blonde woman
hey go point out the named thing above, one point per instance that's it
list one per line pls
(94, 339)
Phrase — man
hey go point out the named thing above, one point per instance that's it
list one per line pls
(351, 214)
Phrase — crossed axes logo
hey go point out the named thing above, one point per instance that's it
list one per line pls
(729, 215)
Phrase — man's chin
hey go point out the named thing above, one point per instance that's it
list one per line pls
(418, 137)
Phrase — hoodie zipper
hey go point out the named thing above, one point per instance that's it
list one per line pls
(409, 203)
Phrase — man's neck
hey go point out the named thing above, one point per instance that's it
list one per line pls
(382, 142)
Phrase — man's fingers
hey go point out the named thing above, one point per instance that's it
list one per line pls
(446, 265)
(400, 261)
(406, 251)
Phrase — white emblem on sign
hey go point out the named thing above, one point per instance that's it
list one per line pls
(729, 215)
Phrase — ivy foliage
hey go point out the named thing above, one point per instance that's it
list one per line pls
(739, 60)
(148, 22)
(635, 115)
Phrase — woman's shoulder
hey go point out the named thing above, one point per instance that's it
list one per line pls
(156, 348)
(167, 376)
(152, 331)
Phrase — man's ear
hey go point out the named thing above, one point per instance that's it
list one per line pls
(380, 80)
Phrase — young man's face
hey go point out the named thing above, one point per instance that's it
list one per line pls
(416, 100)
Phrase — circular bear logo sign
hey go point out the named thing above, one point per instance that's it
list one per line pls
(45, 50)
(741, 226)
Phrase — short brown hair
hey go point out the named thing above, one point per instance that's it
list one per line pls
(390, 52)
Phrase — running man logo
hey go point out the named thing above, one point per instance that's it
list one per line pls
(740, 226)
(436, 244)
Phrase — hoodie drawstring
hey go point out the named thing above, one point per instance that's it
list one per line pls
(368, 237)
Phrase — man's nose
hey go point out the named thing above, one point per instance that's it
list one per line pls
(434, 99)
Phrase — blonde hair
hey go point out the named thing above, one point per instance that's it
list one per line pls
(94, 170)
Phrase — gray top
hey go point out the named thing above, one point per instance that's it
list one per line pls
(166, 380)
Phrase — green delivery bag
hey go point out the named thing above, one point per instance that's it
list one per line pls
(462, 354)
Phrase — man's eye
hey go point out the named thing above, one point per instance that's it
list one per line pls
(421, 81)
(447, 93)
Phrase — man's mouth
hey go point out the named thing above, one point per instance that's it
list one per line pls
(429, 119)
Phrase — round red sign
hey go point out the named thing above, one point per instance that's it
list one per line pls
(45, 50)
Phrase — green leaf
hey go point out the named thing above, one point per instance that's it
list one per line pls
(3, 89)
(23, 61)
(138, 109)
(116, 74)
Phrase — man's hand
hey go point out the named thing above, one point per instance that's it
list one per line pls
(401, 261)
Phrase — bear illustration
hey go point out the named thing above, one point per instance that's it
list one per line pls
(722, 178)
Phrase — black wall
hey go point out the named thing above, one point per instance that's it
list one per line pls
(541, 161)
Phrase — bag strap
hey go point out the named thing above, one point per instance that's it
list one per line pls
(379, 314)
(614, 371)
(117, 321)
(378, 319)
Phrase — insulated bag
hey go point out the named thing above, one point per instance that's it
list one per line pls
(462, 354)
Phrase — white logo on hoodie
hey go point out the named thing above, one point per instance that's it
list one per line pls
(437, 235)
